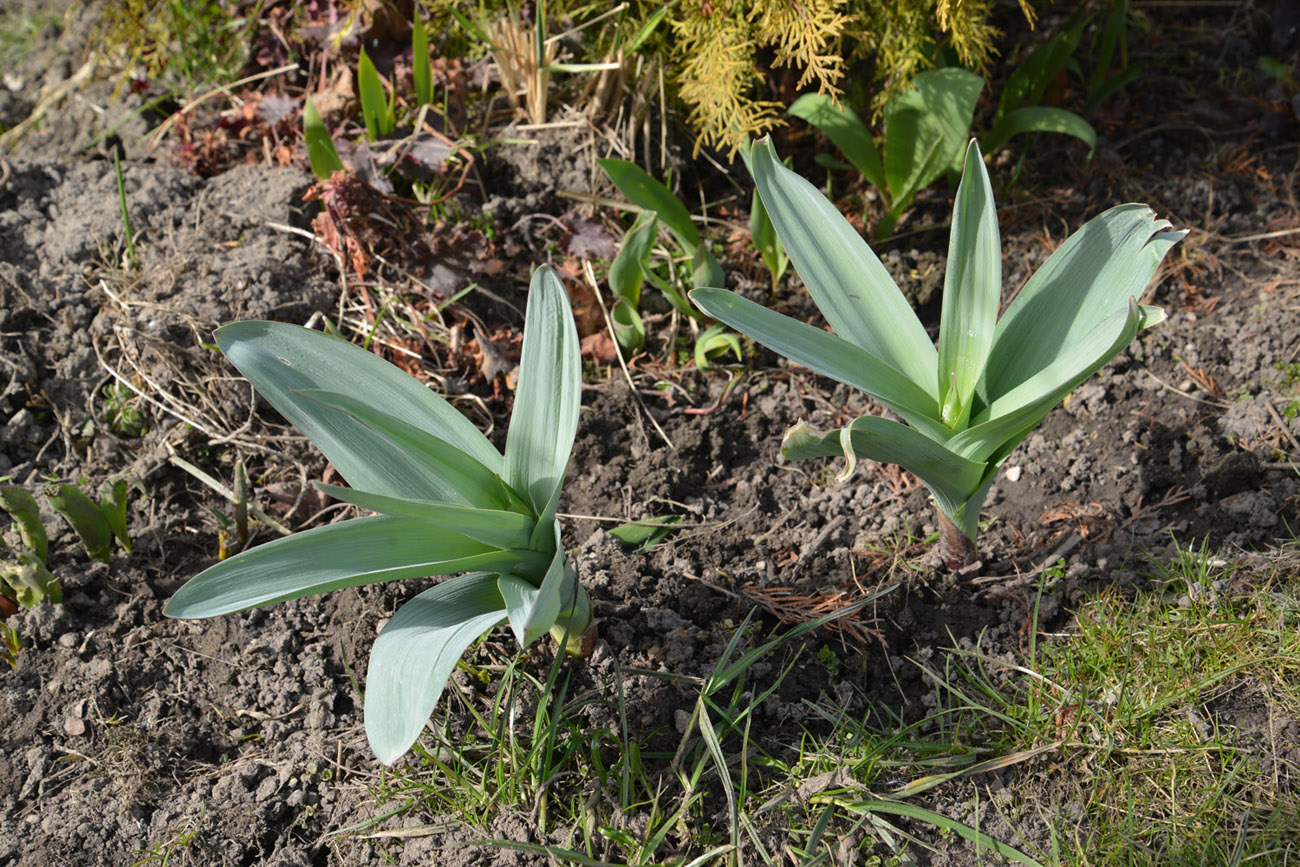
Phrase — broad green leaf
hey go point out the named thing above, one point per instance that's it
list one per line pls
(1039, 118)
(764, 236)
(641, 535)
(644, 191)
(926, 128)
(495, 527)
(374, 105)
(629, 330)
(1030, 78)
(951, 478)
(826, 354)
(22, 507)
(545, 416)
(627, 271)
(86, 518)
(972, 290)
(1089, 277)
(349, 554)
(713, 343)
(445, 473)
(532, 608)
(416, 652)
(112, 505)
(705, 269)
(321, 154)
(1019, 410)
(849, 285)
(421, 71)
(282, 360)
(842, 126)
(29, 581)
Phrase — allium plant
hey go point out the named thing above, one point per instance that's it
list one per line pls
(445, 499)
(967, 404)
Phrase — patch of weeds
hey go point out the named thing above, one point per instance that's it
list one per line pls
(1163, 710)
(122, 412)
(189, 44)
(569, 763)
(162, 853)
(1291, 383)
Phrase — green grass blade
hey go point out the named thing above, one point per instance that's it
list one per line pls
(851, 288)
(826, 354)
(943, 823)
(321, 154)
(421, 71)
(1020, 409)
(843, 127)
(495, 527)
(356, 552)
(926, 128)
(284, 360)
(545, 416)
(1039, 118)
(646, 192)
(438, 471)
(972, 290)
(1090, 276)
(374, 104)
(416, 652)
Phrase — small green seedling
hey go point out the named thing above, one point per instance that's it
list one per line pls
(632, 265)
(991, 381)
(376, 109)
(321, 153)
(96, 523)
(927, 126)
(447, 502)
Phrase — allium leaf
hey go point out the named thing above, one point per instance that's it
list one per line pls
(544, 420)
(356, 552)
(416, 652)
(972, 289)
(283, 361)
(849, 284)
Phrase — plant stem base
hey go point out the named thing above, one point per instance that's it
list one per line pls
(955, 549)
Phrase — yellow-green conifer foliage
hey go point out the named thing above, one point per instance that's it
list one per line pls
(716, 42)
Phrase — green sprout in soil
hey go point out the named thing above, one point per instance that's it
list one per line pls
(969, 403)
(447, 502)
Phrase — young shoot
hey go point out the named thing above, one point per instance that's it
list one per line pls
(966, 404)
(445, 501)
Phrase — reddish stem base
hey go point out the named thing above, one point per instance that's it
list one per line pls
(955, 549)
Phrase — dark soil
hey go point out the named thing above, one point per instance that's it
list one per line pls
(122, 731)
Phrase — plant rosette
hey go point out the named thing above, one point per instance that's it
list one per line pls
(968, 403)
(445, 501)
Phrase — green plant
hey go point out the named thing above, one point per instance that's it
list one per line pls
(447, 500)
(126, 214)
(631, 268)
(991, 381)
(927, 126)
(376, 109)
(321, 153)
(121, 412)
